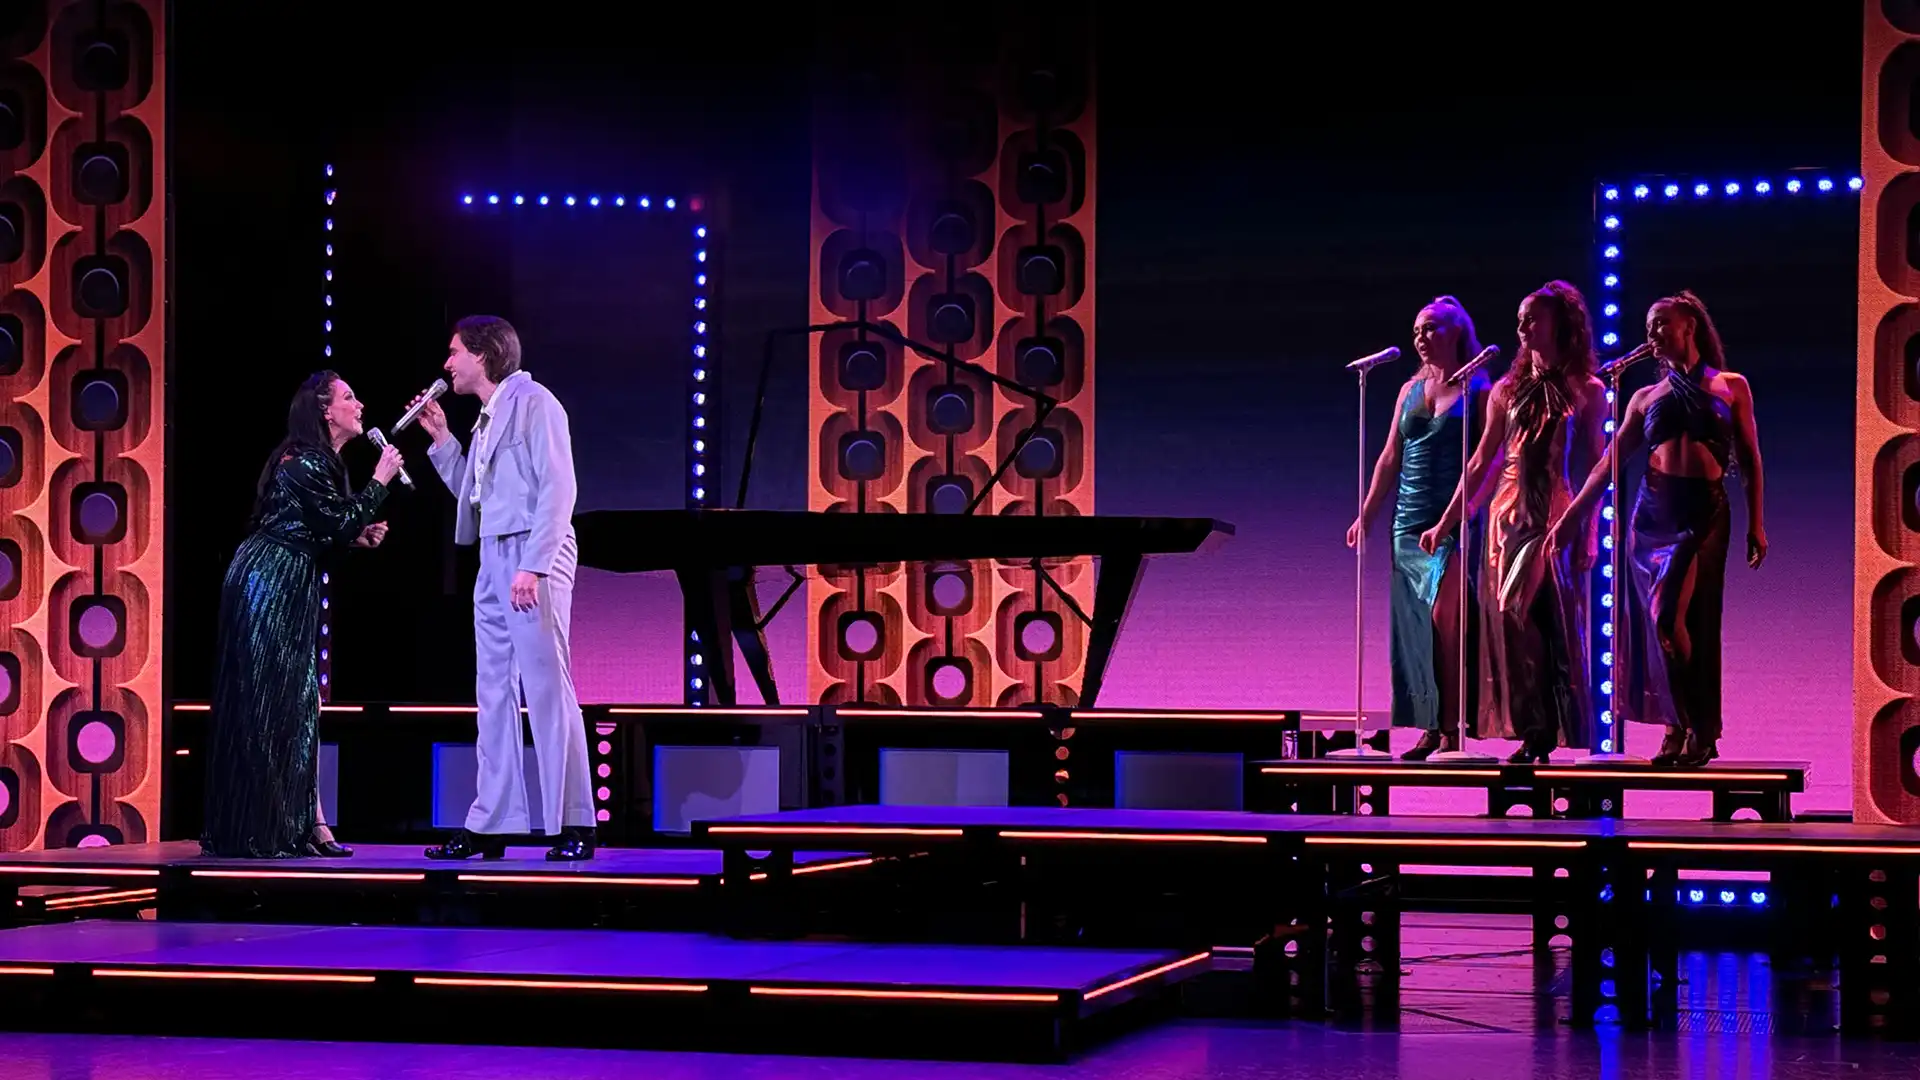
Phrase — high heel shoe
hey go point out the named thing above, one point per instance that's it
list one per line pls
(1671, 747)
(1431, 741)
(329, 848)
(1698, 752)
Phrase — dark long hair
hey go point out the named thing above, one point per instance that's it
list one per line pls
(1706, 336)
(306, 429)
(1540, 394)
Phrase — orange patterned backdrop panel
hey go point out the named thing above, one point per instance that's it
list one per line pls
(953, 202)
(82, 418)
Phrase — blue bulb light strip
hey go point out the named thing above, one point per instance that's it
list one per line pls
(702, 491)
(1612, 205)
(323, 648)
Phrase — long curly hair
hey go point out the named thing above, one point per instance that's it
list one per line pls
(1706, 336)
(1542, 392)
(1455, 312)
(306, 429)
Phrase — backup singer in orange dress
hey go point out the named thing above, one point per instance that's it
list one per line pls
(1545, 420)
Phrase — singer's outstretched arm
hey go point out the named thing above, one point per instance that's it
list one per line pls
(1386, 471)
(1493, 439)
(550, 447)
(336, 517)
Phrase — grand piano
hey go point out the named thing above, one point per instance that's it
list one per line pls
(714, 554)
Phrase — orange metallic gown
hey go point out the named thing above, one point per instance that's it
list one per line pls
(1534, 682)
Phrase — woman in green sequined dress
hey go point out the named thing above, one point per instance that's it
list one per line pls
(262, 801)
(1420, 466)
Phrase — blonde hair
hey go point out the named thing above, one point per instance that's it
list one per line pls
(1456, 313)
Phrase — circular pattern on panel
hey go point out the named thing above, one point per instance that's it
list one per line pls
(113, 287)
(89, 403)
(20, 685)
(1894, 617)
(102, 57)
(109, 172)
(104, 744)
(113, 512)
(110, 628)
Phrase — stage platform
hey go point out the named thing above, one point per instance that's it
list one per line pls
(392, 883)
(1764, 788)
(609, 987)
(1330, 884)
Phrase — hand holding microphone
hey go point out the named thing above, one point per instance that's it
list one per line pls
(427, 410)
(389, 465)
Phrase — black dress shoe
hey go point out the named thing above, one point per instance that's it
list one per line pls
(327, 849)
(465, 845)
(575, 844)
(1431, 741)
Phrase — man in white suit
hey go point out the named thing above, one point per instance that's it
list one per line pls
(514, 493)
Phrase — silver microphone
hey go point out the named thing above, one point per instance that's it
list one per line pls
(413, 412)
(1366, 363)
(379, 440)
(1627, 361)
(1487, 356)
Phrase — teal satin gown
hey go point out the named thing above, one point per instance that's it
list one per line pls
(1429, 472)
(264, 726)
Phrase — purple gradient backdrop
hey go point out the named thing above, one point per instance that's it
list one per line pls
(1259, 434)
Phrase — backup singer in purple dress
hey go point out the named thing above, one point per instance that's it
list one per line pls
(1696, 423)
(1544, 418)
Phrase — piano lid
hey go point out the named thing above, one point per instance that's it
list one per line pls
(635, 541)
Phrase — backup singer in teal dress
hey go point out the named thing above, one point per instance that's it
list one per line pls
(1421, 464)
(261, 798)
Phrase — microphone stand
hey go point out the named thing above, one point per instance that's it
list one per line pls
(1618, 755)
(1360, 748)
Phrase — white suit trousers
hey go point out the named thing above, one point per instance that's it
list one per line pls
(516, 651)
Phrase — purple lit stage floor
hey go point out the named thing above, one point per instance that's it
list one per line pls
(689, 961)
(148, 860)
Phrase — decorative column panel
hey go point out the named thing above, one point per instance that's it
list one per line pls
(952, 205)
(82, 420)
(1886, 546)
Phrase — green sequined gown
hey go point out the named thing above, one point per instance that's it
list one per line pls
(264, 730)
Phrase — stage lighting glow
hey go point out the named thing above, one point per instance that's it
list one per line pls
(1855, 184)
(322, 656)
(699, 374)
(543, 200)
(669, 204)
(1758, 897)
(700, 232)
(699, 447)
(700, 303)
(1608, 227)
(1611, 194)
(645, 203)
(571, 200)
(593, 200)
(519, 200)
(700, 328)
(493, 200)
(468, 199)
(1695, 896)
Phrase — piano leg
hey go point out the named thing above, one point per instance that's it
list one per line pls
(1113, 592)
(749, 629)
(704, 596)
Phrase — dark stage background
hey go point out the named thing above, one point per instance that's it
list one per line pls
(1269, 209)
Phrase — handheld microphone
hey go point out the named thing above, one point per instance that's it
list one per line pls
(379, 440)
(413, 413)
(1487, 356)
(1615, 366)
(1367, 363)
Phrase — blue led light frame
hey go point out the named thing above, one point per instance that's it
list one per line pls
(1614, 205)
(701, 386)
